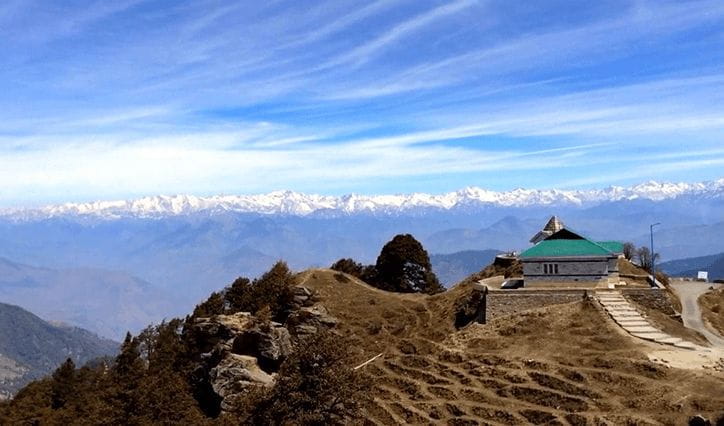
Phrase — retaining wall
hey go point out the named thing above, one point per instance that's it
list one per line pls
(509, 302)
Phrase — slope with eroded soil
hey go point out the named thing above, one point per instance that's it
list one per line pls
(565, 363)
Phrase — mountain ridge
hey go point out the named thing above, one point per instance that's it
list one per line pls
(689, 267)
(31, 347)
(302, 204)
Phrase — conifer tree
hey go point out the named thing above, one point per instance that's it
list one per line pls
(126, 376)
(403, 265)
(63, 384)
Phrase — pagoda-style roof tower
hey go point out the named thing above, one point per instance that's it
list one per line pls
(554, 225)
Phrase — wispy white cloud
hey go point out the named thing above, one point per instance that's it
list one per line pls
(240, 97)
(364, 52)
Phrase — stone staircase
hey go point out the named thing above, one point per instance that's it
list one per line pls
(635, 324)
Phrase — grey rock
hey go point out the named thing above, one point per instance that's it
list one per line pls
(302, 297)
(234, 375)
(310, 320)
(270, 344)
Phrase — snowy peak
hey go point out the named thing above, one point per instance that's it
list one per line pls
(300, 204)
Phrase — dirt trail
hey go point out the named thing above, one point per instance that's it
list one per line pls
(689, 293)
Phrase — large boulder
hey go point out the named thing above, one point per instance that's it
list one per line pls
(219, 330)
(234, 375)
(310, 320)
(271, 343)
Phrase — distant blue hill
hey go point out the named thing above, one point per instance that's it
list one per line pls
(689, 267)
(454, 267)
(30, 347)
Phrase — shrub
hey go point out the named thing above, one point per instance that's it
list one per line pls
(348, 266)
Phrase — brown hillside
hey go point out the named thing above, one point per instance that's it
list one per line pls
(566, 364)
(712, 308)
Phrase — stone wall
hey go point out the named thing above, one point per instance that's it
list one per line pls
(509, 302)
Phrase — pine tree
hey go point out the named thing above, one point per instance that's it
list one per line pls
(273, 289)
(240, 296)
(126, 376)
(63, 384)
(214, 305)
(403, 265)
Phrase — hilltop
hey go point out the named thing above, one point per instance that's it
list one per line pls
(420, 359)
(30, 347)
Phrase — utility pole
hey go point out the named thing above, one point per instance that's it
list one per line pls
(653, 259)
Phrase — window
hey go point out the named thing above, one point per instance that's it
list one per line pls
(550, 268)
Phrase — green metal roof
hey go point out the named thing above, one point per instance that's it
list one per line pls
(613, 246)
(563, 248)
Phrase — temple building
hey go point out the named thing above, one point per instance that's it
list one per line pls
(561, 257)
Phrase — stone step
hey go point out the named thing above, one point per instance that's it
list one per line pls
(625, 320)
(633, 323)
(619, 318)
(641, 329)
(619, 308)
(686, 345)
(623, 312)
(670, 340)
(650, 336)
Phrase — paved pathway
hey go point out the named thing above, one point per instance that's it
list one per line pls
(635, 324)
(689, 292)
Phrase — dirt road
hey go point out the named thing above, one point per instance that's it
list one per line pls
(688, 293)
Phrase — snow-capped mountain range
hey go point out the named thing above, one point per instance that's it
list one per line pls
(300, 204)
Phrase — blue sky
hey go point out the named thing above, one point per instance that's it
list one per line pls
(124, 98)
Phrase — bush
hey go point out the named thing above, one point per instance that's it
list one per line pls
(366, 273)
(348, 266)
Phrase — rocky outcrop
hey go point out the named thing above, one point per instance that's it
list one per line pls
(303, 297)
(220, 330)
(240, 351)
(234, 375)
(270, 343)
(310, 320)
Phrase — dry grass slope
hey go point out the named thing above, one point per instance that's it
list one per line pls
(712, 308)
(565, 364)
